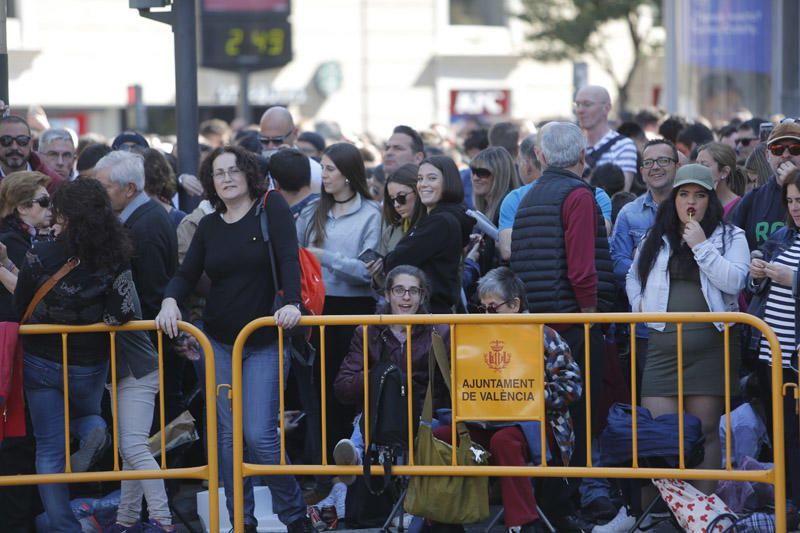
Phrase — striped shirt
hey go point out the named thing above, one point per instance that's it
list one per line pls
(622, 153)
(780, 310)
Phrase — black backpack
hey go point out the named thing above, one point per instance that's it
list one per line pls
(388, 420)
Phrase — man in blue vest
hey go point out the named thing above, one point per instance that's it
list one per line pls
(559, 249)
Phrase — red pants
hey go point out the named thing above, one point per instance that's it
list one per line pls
(508, 448)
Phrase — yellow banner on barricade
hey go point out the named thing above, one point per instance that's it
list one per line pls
(499, 372)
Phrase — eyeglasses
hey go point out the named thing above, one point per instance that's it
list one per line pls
(400, 291)
(778, 149)
(583, 104)
(66, 156)
(401, 198)
(491, 308)
(660, 161)
(43, 201)
(276, 141)
(232, 172)
(21, 140)
(482, 173)
(745, 141)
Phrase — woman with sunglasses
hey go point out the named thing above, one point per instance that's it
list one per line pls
(399, 214)
(436, 243)
(24, 214)
(518, 443)
(773, 281)
(691, 260)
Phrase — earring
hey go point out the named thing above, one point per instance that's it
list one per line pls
(347, 181)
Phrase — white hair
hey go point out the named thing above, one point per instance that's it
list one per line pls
(561, 144)
(56, 134)
(126, 167)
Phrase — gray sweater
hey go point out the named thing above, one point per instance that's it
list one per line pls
(345, 238)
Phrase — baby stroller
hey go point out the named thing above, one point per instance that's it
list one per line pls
(658, 447)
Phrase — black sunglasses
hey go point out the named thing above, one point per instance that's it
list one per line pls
(482, 173)
(401, 198)
(43, 201)
(778, 149)
(21, 140)
(491, 308)
(745, 141)
(277, 141)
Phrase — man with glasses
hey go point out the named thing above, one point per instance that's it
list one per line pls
(16, 151)
(57, 149)
(278, 132)
(747, 138)
(603, 145)
(761, 212)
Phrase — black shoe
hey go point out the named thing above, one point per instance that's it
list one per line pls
(571, 523)
(600, 510)
(301, 525)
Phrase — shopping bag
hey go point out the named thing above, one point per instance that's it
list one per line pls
(693, 510)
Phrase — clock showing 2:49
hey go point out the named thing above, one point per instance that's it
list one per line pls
(233, 42)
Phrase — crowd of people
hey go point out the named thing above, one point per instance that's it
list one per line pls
(657, 215)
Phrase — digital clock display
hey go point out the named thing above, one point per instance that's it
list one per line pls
(237, 40)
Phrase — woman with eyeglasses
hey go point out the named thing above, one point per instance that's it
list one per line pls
(773, 281)
(344, 225)
(436, 243)
(406, 293)
(729, 181)
(229, 247)
(399, 214)
(518, 443)
(691, 260)
(24, 215)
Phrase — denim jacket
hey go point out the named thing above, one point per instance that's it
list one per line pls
(723, 271)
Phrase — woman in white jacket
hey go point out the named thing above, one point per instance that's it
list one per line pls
(689, 261)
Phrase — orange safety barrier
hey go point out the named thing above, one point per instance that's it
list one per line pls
(774, 476)
(207, 472)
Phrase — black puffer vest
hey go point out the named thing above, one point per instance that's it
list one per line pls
(538, 251)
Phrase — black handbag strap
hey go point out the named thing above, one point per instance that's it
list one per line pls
(261, 211)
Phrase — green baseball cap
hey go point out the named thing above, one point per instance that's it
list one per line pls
(697, 174)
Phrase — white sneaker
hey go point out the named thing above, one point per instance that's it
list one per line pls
(345, 453)
(619, 524)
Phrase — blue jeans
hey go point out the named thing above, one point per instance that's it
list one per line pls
(44, 390)
(262, 445)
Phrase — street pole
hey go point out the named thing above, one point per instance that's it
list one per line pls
(244, 111)
(3, 51)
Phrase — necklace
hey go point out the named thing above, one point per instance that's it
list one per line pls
(344, 201)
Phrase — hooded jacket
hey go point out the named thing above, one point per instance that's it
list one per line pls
(435, 246)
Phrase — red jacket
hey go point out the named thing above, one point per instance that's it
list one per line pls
(12, 409)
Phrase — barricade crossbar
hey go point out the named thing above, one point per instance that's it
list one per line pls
(774, 476)
(208, 472)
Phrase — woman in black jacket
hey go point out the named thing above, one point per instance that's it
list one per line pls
(435, 245)
(98, 289)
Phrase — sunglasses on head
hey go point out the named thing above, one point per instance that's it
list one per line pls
(778, 149)
(482, 173)
(401, 198)
(491, 308)
(21, 140)
(745, 141)
(43, 201)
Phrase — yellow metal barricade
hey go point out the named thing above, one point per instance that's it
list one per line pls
(207, 472)
(774, 476)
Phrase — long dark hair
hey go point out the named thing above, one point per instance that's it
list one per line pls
(405, 175)
(668, 224)
(348, 160)
(93, 233)
(452, 187)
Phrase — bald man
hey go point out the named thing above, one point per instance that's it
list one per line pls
(603, 145)
(278, 132)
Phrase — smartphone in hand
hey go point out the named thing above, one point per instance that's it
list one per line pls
(369, 255)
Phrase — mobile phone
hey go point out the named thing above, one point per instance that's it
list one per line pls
(764, 131)
(369, 255)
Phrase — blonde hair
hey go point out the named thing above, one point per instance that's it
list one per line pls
(19, 188)
(498, 161)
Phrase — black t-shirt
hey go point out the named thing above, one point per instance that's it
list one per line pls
(236, 260)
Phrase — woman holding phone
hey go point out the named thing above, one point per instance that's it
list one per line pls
(343, 225)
